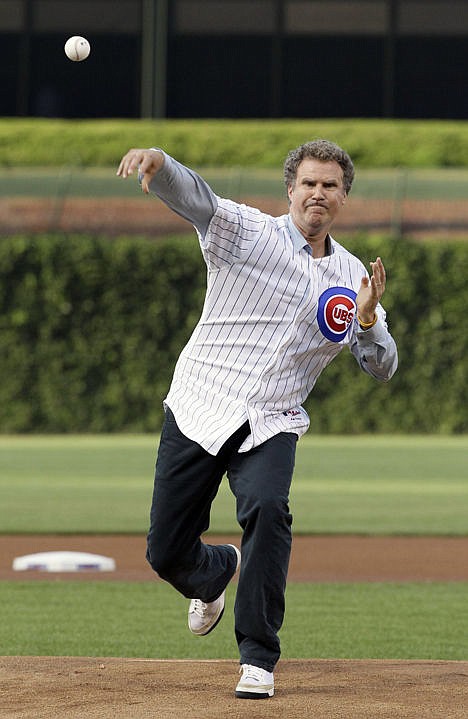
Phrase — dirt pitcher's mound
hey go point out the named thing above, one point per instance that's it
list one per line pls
(92, 688)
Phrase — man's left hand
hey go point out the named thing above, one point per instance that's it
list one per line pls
(370, 292)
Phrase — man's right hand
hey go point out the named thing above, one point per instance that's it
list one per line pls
(147, 162)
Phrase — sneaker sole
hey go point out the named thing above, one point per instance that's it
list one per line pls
(254, 695)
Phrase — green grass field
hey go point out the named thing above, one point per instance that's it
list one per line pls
(368, 485)
(373, 621)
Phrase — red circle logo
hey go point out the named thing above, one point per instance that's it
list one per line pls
(339, 313)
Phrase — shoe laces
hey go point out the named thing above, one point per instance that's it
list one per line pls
(199, 607)
(252, 672)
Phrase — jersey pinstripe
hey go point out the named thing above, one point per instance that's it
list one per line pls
(258, 349)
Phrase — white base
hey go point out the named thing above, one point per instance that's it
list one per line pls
(64, 562)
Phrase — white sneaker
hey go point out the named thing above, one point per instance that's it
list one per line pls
(255, 683)
(203, 617)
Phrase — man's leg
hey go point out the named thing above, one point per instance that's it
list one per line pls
(260, 480)
(187, 479)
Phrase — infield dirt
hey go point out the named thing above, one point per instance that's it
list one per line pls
(147, 216)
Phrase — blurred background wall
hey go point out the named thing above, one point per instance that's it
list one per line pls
(236, 58)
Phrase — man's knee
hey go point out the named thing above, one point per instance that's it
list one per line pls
(161, 558)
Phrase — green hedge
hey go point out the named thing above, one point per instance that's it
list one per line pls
(227, 143)
(91, 329)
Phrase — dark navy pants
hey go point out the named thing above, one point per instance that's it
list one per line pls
(187, 479)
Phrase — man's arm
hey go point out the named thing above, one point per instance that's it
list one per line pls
(179, 187)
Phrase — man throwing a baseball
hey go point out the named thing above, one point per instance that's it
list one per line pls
(283, 298)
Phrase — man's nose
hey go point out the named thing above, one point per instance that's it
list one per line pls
(317, 191)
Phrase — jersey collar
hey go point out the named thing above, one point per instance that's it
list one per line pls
(299, 241)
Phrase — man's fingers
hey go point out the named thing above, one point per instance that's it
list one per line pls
(378, 268)
(125, 167)
(121, 167)
(145, 180)
(140, 160)
(147, 162)
(378, 275)
(130, 162)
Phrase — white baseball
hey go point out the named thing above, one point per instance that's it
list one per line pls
(77, 48)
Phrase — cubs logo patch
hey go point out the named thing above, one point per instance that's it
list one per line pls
(336, 310)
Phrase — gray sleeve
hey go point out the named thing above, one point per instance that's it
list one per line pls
(185, 192)
(375, 351)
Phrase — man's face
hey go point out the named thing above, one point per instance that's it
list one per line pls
(316, 197)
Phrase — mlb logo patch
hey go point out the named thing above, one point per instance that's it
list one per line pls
(336, 310)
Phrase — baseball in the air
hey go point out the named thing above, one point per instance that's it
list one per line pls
(77, 48)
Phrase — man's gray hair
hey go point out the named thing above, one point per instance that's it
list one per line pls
(322, 150)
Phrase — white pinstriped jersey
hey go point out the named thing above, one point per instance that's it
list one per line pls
(273, 318)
